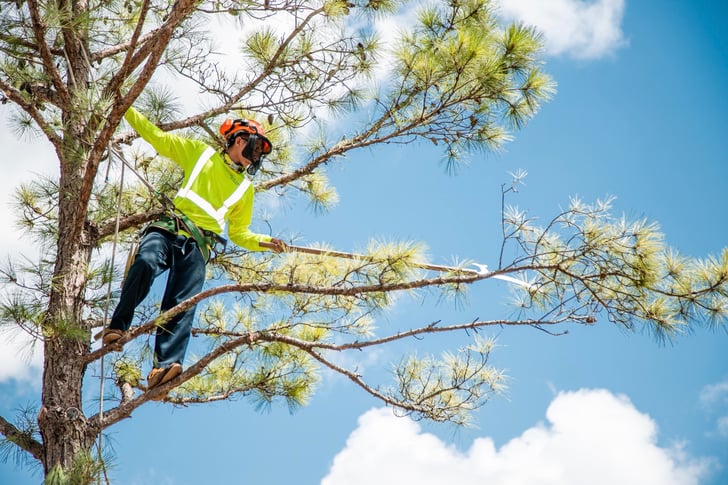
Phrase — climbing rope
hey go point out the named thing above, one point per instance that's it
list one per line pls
(108, 304)
(165, 202)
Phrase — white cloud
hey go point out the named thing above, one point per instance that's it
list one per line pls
(723, 426)
(25, 159)
(714, 398)
(713, 394)
(576, 28)
(592, 436)
(21, 359)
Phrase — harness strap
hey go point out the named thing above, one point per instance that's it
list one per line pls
(177, 223)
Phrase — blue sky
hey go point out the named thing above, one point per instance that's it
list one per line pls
(641, 113)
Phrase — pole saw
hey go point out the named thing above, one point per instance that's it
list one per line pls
(482, 269)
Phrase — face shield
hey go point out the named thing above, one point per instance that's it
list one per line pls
(254, 150)
(257, 144)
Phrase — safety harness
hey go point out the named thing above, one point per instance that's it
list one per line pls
(175, 222)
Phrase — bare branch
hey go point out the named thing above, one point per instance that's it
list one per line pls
(21, 439)
(272, 288)
(122, 47)
(125, 409)
(46, 54)
(106, 229)
(16, 97)
(357, 379)
(361, 344)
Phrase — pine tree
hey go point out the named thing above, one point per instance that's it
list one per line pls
(455, 78)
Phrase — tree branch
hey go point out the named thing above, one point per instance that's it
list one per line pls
(16, 97)
(356, 379)
(46, 55)
(128, 65)
(286, 288)
(361, 344)
(108, 228)
(21, 439)
(125, 409)
(124, 46)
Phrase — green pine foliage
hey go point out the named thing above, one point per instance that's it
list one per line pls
(324, 82)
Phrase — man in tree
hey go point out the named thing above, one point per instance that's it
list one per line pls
(215, 192)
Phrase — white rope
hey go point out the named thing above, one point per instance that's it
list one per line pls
(108, 304)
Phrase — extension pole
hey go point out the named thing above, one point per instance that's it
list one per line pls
(481, 271)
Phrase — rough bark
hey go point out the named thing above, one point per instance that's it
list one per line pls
(61, 420)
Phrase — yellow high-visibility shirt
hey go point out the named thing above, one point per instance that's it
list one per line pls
(213, 184)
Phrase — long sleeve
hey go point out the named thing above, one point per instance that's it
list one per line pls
(182, 151)
(241, 215)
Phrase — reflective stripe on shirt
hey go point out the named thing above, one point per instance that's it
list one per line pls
(217, 214)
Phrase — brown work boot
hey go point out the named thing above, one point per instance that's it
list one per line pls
(109, 336)
(162, 375)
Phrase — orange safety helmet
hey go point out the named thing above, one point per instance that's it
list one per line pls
(258, 144)
(230, 127)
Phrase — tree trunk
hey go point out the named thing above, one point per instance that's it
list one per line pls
(62, 422)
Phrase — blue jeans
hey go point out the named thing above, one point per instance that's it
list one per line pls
(160, 251)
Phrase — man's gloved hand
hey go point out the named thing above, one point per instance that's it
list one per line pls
(277, 245)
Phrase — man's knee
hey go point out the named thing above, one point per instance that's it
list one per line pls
(145, 262)
(150, 255)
